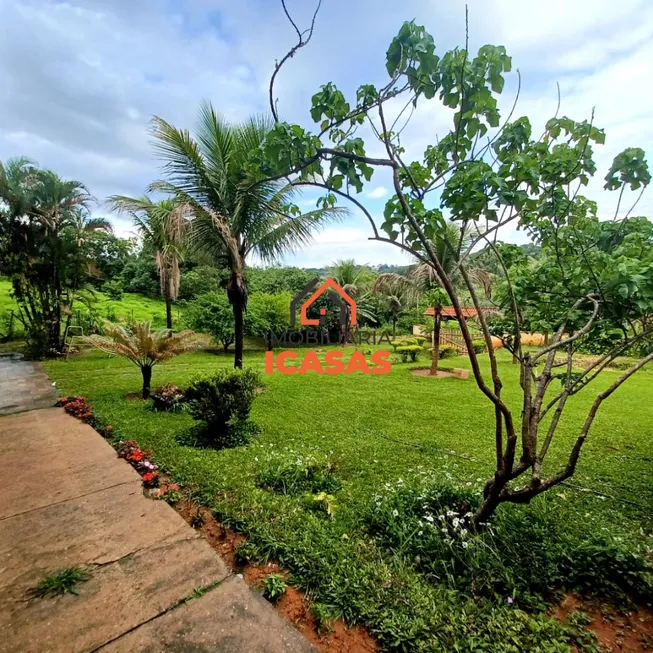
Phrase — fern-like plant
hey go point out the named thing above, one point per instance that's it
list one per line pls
(144, 347)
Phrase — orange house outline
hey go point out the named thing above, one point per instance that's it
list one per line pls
(329, 284)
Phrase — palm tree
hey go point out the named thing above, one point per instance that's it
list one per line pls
(40, 254)
(17, 180)
(59, 202)
(234, 215)
(422, 280)
(162, 225)
(356, 281)
(144, 347)
(83, 224)
(395, 301)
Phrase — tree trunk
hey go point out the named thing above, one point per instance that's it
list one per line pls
(435, 351)
(488, 507)
(146, 371)
(394, 326)
(515, 358)
(238, 306)
(168, 309)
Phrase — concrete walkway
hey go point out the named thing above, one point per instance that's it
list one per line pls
(23, 385)
(155, 585)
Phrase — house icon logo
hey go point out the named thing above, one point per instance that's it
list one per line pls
(346, 304)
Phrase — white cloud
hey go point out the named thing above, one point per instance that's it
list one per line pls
(378, 193)
(83, 77)
(348, 243)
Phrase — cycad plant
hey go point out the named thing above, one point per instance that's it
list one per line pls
(163, 226)
(144, 347)
(234, 215)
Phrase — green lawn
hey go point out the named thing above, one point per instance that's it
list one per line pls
(385, 434)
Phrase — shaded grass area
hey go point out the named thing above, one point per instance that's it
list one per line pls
(377, 435)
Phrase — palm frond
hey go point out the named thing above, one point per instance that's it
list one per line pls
(143, 346)
(289, 232)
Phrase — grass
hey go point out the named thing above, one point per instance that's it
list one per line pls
(380, 444)
(61, 582)
(131, 307)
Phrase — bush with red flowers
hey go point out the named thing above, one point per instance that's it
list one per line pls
(77, 407)
(129, 450)
(139, 460)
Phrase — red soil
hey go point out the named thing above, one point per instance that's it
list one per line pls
(293, 604)
(623, 630)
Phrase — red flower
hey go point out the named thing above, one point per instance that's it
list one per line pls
(150, 476)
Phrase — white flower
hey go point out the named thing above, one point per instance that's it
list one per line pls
(465, 545)
(395, 513)
(429, 518)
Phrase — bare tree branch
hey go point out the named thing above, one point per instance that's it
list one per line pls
(303, 39)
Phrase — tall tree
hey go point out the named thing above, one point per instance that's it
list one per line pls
(235, 213)
(163, 226)
(43, 219)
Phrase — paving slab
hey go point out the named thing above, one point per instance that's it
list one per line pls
(93, 529)
(68, 501)
(80, 462)
(132, 591)
(228, 619)
(24, 385)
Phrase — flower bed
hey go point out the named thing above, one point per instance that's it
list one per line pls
(129, 450)
(168, 398)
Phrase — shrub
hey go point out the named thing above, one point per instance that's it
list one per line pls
(168, 398)
(479, 346)
(448, 351)
(409, 351)
(266, 313)
(37, 343)
(223, 402)
(113, 289)
(212, 313)
(300, 475)
(201, 281)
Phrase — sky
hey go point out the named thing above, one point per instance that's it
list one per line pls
(81, 80)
